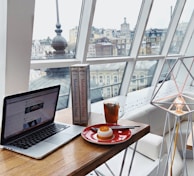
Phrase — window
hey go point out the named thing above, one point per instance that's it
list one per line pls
(52, 76)
(117, 45)
(115, 79)
(115, 91)
(169, 63)
(143, 75)
(157, 28)
(94, 78)
(181, 28)
(112, 35)
(108, 93)
(101, 80)
(134, 79)
(45, 29)
(108, 82)
(141, 79)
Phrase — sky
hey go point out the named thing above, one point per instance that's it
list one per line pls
(108, 14)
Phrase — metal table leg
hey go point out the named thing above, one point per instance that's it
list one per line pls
(131, 163)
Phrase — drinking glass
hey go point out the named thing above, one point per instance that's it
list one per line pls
(111, 111)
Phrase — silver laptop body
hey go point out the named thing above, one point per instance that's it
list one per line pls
(30, 116)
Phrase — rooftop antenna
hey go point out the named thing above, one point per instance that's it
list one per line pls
(171, 12)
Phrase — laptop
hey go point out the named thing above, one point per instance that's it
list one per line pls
(28, 125)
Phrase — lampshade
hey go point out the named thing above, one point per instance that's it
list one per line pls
(176, 93)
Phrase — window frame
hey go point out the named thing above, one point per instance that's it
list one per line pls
(16, 47)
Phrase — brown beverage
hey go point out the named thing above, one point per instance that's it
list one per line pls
(111, 111)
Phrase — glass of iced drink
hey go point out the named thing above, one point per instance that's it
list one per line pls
(111, 111)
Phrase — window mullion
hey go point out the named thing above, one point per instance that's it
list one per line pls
(86, 19)
(141, 26)
(139, 33)
(188, 35)
(169, 37)
(54, 63)
(173, 25)
(127, 78)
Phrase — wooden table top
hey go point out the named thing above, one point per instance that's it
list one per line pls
(190, 141)
(78, 157)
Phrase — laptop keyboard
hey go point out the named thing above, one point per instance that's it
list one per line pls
(37, 137)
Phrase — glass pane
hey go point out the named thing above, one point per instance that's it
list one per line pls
(157, 27)
(169, 63)
(182, 27)
(106, 80)
(143, 75)
(45, 38)
(113, 28)
(50, 77)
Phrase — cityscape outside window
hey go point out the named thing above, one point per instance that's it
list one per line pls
(142, 79)
(111, 37)
(181, 29)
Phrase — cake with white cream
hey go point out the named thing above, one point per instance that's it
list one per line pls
(104, 132)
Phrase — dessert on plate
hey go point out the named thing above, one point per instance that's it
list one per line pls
(104, 132)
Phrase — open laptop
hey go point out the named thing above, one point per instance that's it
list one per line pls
(28, 125)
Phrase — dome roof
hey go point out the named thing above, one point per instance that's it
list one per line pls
(59, 43)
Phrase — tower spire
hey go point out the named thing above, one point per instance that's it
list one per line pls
(59, 43)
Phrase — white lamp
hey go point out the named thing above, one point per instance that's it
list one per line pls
(175, 95)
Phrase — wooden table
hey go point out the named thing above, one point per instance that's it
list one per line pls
(190, 141)
(78, 157)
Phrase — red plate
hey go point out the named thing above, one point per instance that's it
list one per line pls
(119, 136)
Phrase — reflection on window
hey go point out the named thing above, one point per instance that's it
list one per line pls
(143, 75)
(46, 33)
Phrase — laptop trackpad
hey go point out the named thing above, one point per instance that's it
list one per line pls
(59, 138)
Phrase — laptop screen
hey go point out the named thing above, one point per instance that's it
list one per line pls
(25, 111)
